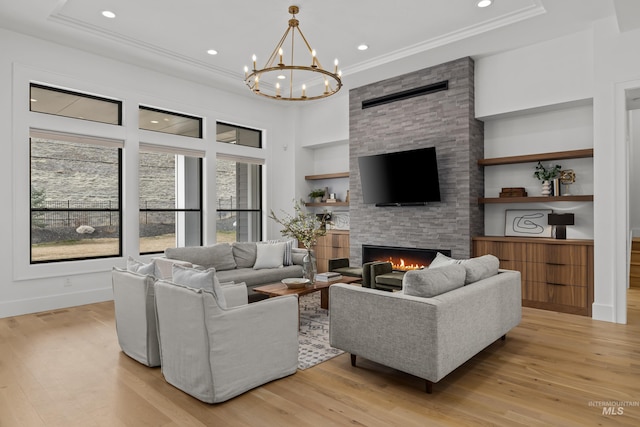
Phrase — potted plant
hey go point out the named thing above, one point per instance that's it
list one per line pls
(545, 175)
(316, 195)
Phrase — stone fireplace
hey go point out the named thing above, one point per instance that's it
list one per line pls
(443, 119)
(402, 259)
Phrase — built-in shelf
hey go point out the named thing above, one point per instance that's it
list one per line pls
(538, 199)
(314, 205)
(328, 176)
(558, 155)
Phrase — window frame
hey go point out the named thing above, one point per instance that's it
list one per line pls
(177, 152)
(119, 210)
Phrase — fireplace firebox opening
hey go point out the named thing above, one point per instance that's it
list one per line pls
(402, 259)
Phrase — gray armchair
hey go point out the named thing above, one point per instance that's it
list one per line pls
(215, 354)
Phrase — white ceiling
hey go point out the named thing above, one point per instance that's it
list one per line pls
(173, 36)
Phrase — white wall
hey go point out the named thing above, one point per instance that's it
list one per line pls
(617, 68)
(29, 288)
(634, 172)
(543, 74)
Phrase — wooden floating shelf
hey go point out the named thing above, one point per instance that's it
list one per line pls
(327, 204)
(558, 155)
(581, 198)
(328, 176)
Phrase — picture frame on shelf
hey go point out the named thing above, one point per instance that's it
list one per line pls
(340, 221)
(527, 222)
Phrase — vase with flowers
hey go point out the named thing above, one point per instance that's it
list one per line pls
(546, 175)
(305, 228)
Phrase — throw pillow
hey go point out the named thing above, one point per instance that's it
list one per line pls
(199, 279)
(244, 254)
(442, 260)
(140, 267)
(480, 268)
(269, 255)
(288, 257)
(428, 283)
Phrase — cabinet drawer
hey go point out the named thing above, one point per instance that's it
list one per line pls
(507, 251)
(575, 296)
(557, 254)
(557, 274)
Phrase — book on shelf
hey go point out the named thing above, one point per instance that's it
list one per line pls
(328, 276)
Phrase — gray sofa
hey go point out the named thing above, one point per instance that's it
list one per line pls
(426, 336)
(236, 262)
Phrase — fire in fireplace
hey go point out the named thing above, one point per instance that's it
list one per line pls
(402, 259)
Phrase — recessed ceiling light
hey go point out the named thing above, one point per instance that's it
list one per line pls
(155, 122)
(33, 100)
(212, 52)
(108, 14)
(363, 47)
(484, 3)
(282, 76)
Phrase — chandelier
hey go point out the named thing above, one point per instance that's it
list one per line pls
(278, 80)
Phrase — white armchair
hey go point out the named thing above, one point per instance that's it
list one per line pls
(215, 354)
(135, 313)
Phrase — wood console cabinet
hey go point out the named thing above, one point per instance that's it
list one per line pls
(556, 274)
(335, 244)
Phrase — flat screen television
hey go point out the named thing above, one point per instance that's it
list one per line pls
(403, 178)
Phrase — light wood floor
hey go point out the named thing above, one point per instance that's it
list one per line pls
(64, 368)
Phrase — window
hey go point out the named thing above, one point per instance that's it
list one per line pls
(239, 201)
(170, 200)
(75, 197)
(166, 122)
(76, 105)
(238, 135)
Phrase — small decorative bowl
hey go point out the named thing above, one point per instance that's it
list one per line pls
(295, 282)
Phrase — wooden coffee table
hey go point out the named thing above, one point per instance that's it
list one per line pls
(279, 289)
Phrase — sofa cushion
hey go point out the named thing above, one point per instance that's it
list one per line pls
(140, 267)
(259, 277)
(480, 268)
(428, 283)
(269, 255)
(199, 279)
(244, 254)
(218, 256)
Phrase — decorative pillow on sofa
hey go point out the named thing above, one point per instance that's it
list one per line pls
(269, 255)
(218, 256)
(288, 257)
(480, 268)
(441, 260)
(140, 267)
(244, 254)
(199, 279)
(428, 283)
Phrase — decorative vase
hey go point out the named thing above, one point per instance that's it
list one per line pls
(309, 267)
(546, 188)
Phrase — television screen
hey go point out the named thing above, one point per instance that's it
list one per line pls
(400, 178)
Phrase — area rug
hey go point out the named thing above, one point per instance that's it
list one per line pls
(313, 337)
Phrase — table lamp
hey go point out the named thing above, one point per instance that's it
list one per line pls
(560, 221)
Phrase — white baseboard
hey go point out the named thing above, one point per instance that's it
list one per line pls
(603, 312)
(54, 302)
